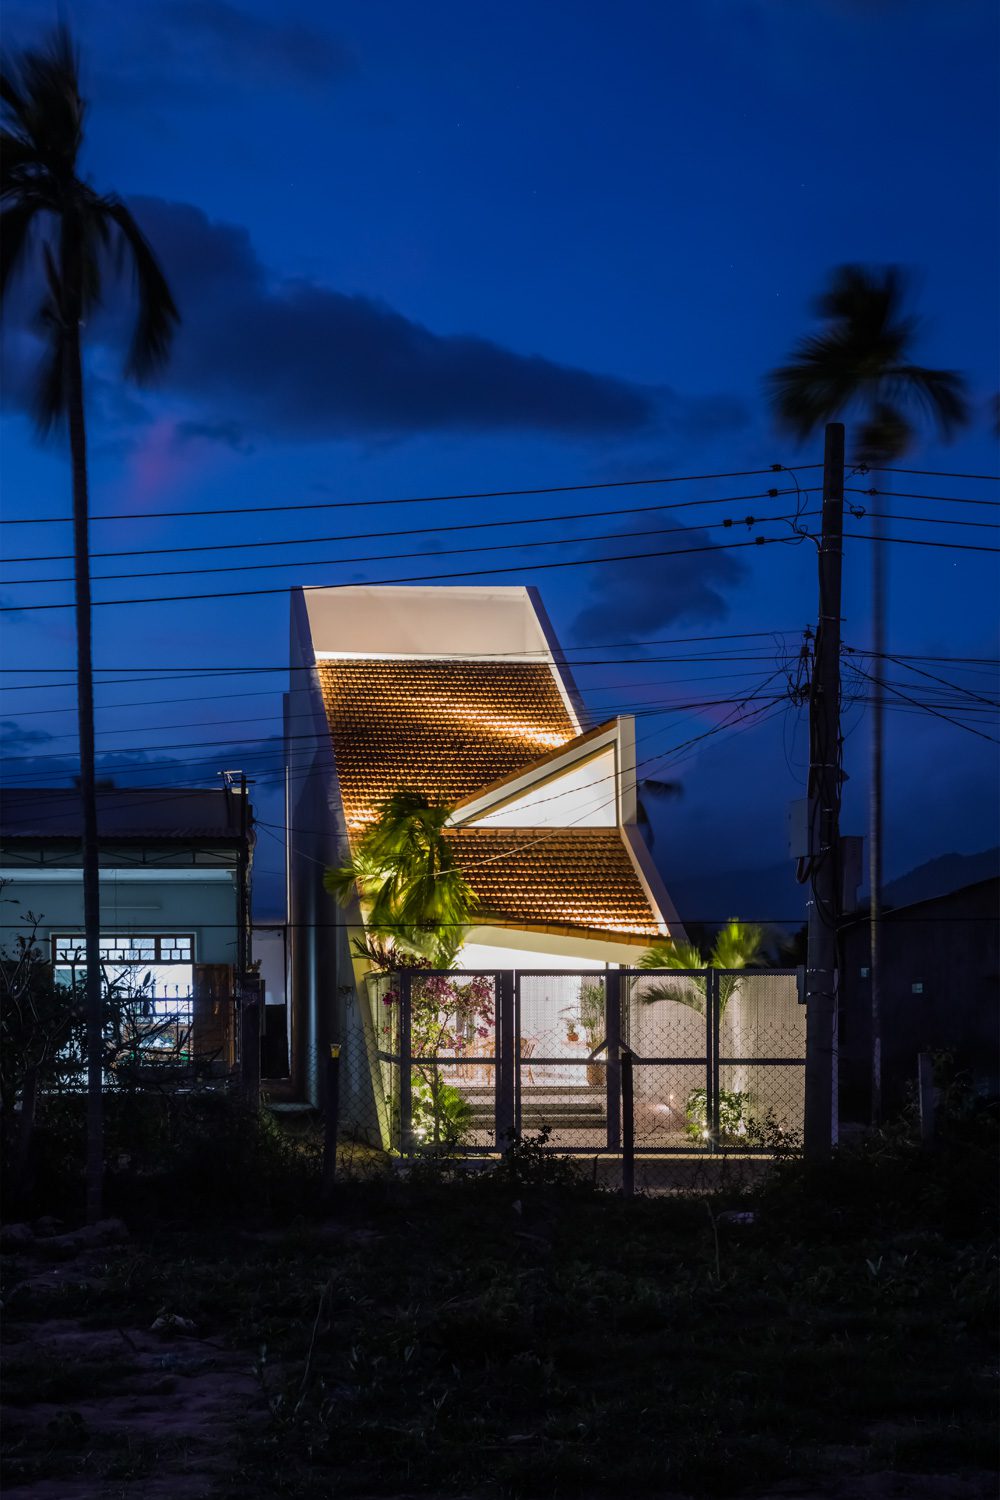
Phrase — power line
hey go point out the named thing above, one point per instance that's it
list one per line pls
(926, 707)
(912, 541)
(604, 687)
(908, 495)
(955, 686)
(511, 545)
(320, 737)
(927, 473)
(860, 512)
(324, 562)
(354, 536)
(544, 489)
(279, 765)
(583, 562)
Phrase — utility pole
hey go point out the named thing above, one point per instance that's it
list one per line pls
(824, 813)
(875, 814)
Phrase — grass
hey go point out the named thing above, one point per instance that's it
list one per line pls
(525, 1336)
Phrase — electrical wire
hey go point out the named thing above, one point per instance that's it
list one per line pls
(926, 707)
(354, 536)
(324, 562)
(543, 489)
(928, 473)
(583, 562)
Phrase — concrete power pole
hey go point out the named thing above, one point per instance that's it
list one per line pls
(824, 814)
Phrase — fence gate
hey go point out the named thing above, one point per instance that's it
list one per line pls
(718, 1058)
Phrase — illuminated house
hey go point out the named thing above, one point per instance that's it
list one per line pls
(463, 694)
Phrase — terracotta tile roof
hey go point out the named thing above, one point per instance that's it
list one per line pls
(573, 877)
(444, 728)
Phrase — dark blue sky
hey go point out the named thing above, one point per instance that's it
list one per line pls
(458, 247)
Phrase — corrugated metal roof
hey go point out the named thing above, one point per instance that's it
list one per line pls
(175, 813)
(571, 877)
(444, 728)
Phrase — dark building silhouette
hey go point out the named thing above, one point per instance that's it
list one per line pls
(941, 994)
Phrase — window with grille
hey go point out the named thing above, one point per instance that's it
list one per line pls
(150, 978)
(154, 948)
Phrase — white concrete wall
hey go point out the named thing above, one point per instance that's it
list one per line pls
(584, 797)
(409, 620)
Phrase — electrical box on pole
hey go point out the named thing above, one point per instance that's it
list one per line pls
(823, 860)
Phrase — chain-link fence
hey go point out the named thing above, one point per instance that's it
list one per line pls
(623, 1066)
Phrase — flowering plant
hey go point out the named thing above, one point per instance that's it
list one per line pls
(449, 1014)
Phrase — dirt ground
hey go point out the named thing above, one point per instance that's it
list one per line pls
(99, 1409)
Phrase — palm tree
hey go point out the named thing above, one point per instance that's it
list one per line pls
(862, 362)
(51, 214)
(404, 871)
(738, 945)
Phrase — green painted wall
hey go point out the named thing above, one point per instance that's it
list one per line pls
(202, 902)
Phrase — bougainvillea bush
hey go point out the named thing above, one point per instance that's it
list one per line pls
(450, 1016)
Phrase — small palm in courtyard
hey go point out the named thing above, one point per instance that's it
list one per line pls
(737, 946)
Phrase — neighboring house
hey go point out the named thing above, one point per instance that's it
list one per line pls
(174, 880)
(941, 983)
(463, 694)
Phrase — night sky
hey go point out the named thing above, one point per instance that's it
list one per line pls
(453, 247)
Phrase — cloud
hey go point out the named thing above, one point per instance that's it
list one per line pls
(262, 358)
(135, 56)
(631, 600)
(16, 739)
(270, 48)
(297, 359)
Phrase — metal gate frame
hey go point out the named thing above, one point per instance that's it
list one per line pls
(507, 1060)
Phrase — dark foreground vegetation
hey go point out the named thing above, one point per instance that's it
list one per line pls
(517, 1334)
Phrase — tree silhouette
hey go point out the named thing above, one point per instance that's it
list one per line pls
(54, 217)
(862, 363)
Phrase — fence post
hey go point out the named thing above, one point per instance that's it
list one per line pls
(927, 1096)
(628, 1123)
(405, 1066)
(613, 1032)
(709, 1058)
(251, 994)
(716, 1087)
(504, 1046)
(331, 1107)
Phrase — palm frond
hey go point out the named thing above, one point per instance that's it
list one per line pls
(941, 393)
(738, 945)
(15, 231)
(40, 92)
(668, 954)
(861, 360)
(405, 872)
(884, 435)
(156, 313)
(689, 992)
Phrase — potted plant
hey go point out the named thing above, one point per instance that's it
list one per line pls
(572, 1026)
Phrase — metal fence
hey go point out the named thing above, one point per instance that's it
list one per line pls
(650, 1063)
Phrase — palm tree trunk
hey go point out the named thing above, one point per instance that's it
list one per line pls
(88, 789)
(876, 820)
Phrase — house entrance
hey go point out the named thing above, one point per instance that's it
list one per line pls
(717, 1058)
